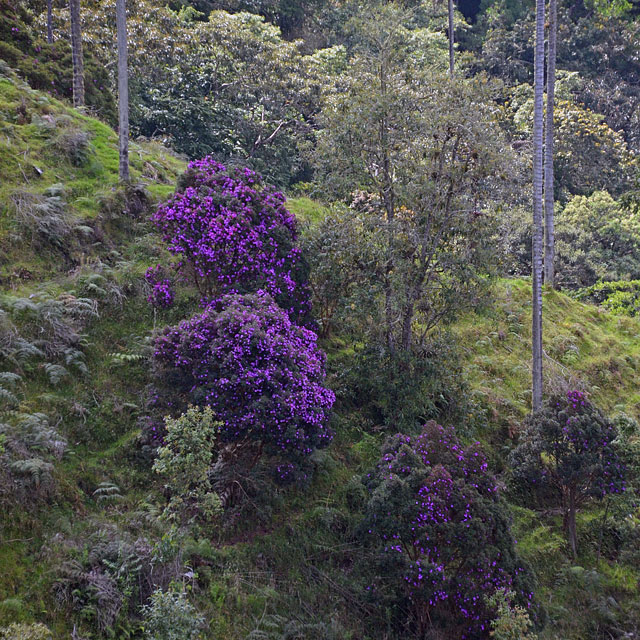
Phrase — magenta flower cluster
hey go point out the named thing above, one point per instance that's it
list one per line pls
(436, 516)
(161, 295)
(233, 234)
(262, 374)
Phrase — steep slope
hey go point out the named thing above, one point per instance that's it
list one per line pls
(583, 344)
(79, 501)
(74, 245)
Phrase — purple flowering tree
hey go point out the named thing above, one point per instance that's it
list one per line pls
(262, 375)
(440, 534)
(567, 449)
(233, 234)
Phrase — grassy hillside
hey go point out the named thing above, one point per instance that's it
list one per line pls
(585, 344)
(59, 187)
(72, 260)
(74, 245)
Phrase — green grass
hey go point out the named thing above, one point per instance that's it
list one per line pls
(584, 345)
(33, 127)
(307, 210)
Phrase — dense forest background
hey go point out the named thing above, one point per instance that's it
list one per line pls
(277, 383)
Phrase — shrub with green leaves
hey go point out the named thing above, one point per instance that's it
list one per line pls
(404, 390)
(596, 239)
(512, 622)
(170, 616)
(621, 297)
(185, 461)
(20, 631)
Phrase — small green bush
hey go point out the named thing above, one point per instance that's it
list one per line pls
(16, 631)
(512, 621)
(185, 461)
(621, 297)
(170, 616)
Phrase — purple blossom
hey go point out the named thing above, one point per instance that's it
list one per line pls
(161, 295)
(262, 374)
(234, 234)
(441, 530)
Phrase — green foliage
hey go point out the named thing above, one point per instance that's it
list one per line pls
(390, 130)
(239, 90)
(30, 447)
(569, 449)
(512, 622)
(185, 461)
(47, 67)
(18, 631)
(588, 154)
(621, 297)
(170, 616)
(107, 492)
(607, 84)
(340, 252)
(596, 239)
(401, 391)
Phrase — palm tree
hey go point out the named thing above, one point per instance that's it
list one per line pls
(50, 21)
(76, 54)
(123, 90)
(549, 234)
(536, 328)
(451, 36)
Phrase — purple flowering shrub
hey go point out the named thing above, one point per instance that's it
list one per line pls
(568, 452)
(233, 234)
(161, 295)
(262, 375)
(440, 534)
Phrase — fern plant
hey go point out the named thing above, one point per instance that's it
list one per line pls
(107, 492)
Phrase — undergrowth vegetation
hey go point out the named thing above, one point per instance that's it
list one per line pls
(229, 414)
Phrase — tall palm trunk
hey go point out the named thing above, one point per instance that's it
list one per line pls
(76, 54)
(123, 90)
(50, 21)
(549, 233)
(536, 257)
(451, 37)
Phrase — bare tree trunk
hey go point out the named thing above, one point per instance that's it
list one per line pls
(451, 37)
(571, 522)
(549, 233)
(50, 21)
(123, 90)
(536, 266)
(76, 54)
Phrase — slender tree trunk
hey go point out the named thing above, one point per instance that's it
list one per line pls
(123, 90)
(451, 37)
(50, 21)
(571, 522)
(549, 232)
(76, 54)
(536, 262)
